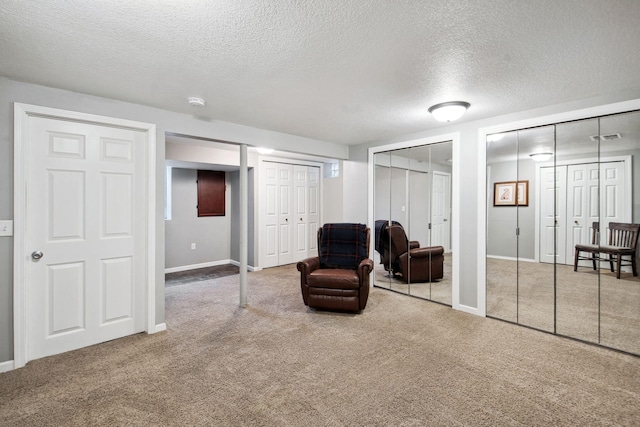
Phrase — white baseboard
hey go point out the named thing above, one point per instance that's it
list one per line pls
(159, 328)
(6, 366)
(249, 267)
(469, 309)
(194, 266)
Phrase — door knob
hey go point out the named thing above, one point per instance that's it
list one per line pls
(576, 222)
(286, 219)
(37, 255)
(300, 219)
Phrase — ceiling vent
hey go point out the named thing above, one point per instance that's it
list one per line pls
(610, 137)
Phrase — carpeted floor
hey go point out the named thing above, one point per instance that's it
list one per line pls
(401, 362)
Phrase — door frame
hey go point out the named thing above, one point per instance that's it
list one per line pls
(628, 168)
(22, 112)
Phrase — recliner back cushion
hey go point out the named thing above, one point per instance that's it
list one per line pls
(343, 245)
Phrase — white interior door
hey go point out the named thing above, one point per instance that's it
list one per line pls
(553, 195)
(441, 211)
(584, 193)
(301, 202)
(419, 207)
(86, 218)
(313, 218)
(614, 205)
(271, 217)
(285, 219)
(582, 205)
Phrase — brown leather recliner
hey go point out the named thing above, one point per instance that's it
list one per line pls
(343, 286)
(412, 263)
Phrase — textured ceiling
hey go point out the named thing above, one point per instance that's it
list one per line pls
(346, 71)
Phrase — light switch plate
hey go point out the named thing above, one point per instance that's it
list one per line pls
(6, 228)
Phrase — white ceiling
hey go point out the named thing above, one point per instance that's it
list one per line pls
(347, 71)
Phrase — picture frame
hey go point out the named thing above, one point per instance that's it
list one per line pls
(511, 193)
(504, 193)
(522, 193)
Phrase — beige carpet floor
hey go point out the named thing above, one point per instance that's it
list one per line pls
(401, 362)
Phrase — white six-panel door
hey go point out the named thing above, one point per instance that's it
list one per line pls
(440, 209)
(85, 213)
(584, 193)
(291, 213)
(313, 217)
(553, 195)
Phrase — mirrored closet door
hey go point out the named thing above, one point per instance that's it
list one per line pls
(557, 197)
(412, 213)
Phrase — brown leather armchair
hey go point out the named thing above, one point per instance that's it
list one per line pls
(338, 278)
(412, 263)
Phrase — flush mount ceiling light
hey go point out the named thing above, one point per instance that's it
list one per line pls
(196, 102)
(449, 111)
(264, 150)
(541, 157)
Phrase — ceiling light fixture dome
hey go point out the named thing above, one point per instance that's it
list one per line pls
(196, 102)
(449, 111)
(265, 150)
(541, 157)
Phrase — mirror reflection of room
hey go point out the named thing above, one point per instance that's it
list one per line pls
(412, 209)
(553, 244)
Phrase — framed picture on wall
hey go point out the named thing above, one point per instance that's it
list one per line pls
(511, 193)
(522, 192)
(504, 193)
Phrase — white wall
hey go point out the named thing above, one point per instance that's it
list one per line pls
(332, 196)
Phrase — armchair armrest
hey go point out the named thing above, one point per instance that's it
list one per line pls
(413, 244)
(365, 267)
(308, 265)
(427, 252)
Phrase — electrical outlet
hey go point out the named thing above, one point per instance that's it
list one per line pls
(193, 246)
(6, 228)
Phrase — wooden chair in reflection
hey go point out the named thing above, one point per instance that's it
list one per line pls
(622, 242)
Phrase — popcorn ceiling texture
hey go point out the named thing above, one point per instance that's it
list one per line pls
(342, 71)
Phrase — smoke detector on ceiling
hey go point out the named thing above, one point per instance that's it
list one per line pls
(609, 137)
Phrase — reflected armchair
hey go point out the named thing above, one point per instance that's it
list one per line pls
(338, 278)
(413, 264)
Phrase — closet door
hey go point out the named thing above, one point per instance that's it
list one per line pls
(582, 207)
(301, 212)
(502, 225)
(536, 279)
(620, 298)
(382, 215)
(313, 215)
(577, 293)
(269, 200)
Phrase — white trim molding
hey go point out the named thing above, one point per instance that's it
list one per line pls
(22, 112)
(7, 366)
